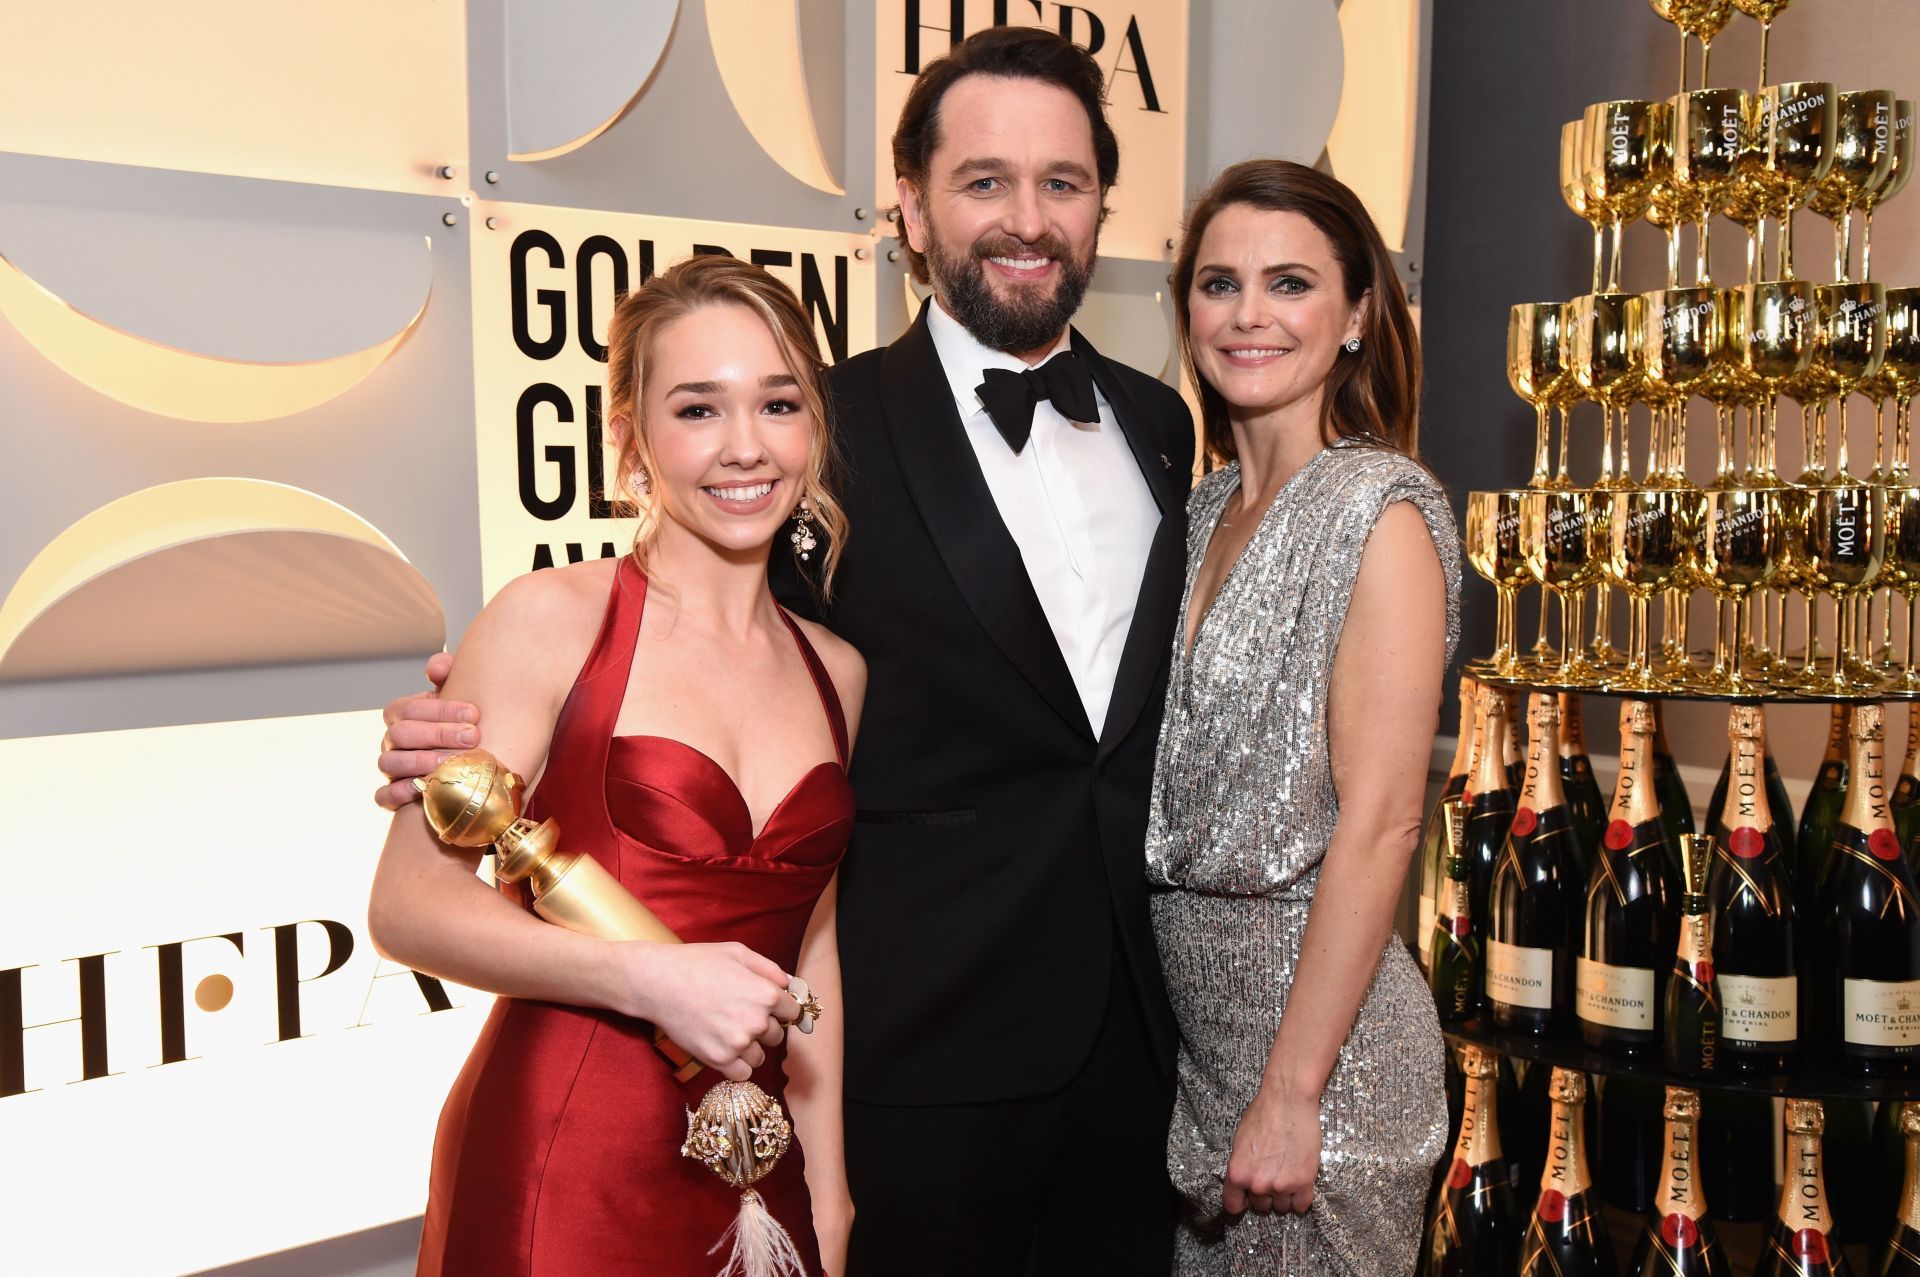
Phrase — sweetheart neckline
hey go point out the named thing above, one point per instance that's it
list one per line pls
(733, 786)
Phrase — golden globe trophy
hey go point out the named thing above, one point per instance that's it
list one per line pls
(739, 1131)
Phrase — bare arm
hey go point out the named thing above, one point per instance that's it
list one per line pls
(1383, 709)
(429, 911)
(815, 1061)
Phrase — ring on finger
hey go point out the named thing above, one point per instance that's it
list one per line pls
(809, 1005)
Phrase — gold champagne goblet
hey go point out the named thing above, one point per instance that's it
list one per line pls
(1853, 342)
(1564, 537)
(1494, 550)
(1647, 549)
(1862, 159)
(1843, 541)
(1701, 19)
(1777, 322)
(1573, 190)
(1680, 342)
(1707, 130)
(1899, 169)
(1536, 369)
(1604, 359)
(1681, 346)
(1669, 205)
(1741, 545)
(1727, 385)
(1901, 570)
(1778, 339)
(1605, 362)
(1621, 164)
(1900, 369)
(1799, 121)
(1536, 365)
(1765, 11)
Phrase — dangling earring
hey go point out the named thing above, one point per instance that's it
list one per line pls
(642, 480)
(1353, 345)
(802, 535)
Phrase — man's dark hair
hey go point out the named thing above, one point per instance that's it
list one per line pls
(1021, 53)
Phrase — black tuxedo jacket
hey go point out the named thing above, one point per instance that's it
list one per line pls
(996, 862)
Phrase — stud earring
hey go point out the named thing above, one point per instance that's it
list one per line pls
(1353, 345)
(802, 534)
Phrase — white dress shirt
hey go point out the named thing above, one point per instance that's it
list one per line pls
(1076, 504)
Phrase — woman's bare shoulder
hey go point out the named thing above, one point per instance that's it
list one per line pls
(540, 626)
(845, 666)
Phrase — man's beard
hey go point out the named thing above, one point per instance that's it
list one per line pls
(1015, 326)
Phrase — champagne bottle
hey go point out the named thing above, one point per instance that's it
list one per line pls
(1799, 1240)
(1584, 799)
(1676, 809)
(1778, 803)
(1867, 927)
(1628, 940)
(1567, 1234)
(1691, 1035)
(1736, 1152)
(1906, 793)
(1900, 1254)
(1821, 814)
(1627, 1136)
(1433, 840)
(1510, 751)
(1454, 973)
(1680, 1240)
(1475, 1228)
(1490, 800)
(1750, 894)
(1536, 896)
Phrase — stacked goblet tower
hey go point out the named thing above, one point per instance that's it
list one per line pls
(1580, 936)
(1757, 540)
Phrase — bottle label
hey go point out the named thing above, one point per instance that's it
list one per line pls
(1620, 997)
(1759, 1008)
(1518, 976)
(1884, 1013)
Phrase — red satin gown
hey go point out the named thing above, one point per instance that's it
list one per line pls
(558, 1151)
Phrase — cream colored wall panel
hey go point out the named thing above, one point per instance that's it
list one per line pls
(367, 93)
(1141, 46)
(170, 382)
(757, 46)
(300, 1109)
(1376, 135)
(1271, 86)
(212, 573)
(677, 146)
(575, 68)
(258, 272)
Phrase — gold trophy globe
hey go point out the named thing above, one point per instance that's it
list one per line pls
(739, 1131)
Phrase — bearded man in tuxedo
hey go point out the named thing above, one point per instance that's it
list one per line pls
(1012, 577)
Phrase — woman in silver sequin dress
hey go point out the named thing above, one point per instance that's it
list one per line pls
(1321, 608)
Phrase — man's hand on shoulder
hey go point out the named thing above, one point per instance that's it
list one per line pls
(423, 729)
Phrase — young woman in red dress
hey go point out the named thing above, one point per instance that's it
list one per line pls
(693, 737)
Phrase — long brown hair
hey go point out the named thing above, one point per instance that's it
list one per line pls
(632, 333)
(1373, 394)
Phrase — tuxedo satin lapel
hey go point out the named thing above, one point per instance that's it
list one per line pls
(943, 477)
(1149, 453)
(1155, 611)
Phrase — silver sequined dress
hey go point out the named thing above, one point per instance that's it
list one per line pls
(1243, 809)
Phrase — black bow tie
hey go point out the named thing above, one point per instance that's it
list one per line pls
(1065, 381)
